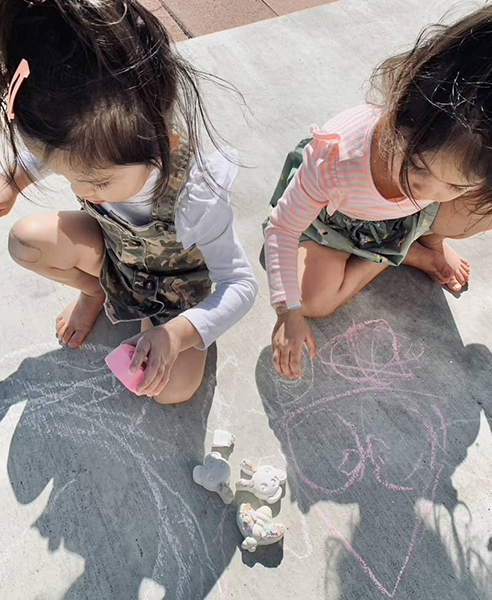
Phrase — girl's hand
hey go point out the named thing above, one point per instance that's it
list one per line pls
(159, 348)
(291, 332)
(8, 196)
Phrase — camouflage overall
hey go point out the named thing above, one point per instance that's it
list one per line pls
(146, 271)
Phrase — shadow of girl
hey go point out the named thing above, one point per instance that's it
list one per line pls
(123, 497)
(381, 420)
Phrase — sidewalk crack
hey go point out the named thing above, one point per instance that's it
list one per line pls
(177, 20)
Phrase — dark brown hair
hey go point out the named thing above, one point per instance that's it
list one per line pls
(106, 85)
(438, 97)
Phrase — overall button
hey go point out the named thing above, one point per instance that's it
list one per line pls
(149, 285)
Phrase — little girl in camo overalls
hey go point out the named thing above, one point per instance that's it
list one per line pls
(385, 185)
(96, 94)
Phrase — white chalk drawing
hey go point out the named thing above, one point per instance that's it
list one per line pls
(85, 409)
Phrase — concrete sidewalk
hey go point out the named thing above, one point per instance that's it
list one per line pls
(386, 440)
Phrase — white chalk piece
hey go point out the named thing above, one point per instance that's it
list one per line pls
(257, 527)
(214, 476)
(265, 482)
(222, 439)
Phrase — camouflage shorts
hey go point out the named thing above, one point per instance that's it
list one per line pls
(133, 295)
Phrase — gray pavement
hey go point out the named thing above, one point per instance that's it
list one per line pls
(386, 440)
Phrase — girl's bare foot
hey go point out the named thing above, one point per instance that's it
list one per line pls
(441, 263)
(460, 266)
(77, 320)
(430, 261)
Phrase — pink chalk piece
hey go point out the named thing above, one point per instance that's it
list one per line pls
(119, 362)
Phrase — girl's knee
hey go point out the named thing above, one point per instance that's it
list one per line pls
(317, 306)
(23, 244)
(314, 310)
(174, 394)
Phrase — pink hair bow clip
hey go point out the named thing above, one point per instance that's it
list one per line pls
(21, 73)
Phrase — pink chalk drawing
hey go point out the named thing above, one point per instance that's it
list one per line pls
(374, 361)
(372, 354)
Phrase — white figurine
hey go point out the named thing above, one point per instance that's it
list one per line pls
(214, 476)
(265, 482)
(257, 527)
(222, 439)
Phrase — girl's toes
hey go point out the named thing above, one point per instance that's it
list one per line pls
(67, 335)
(454, 285)
(76, 340)
(461, 278)
(61, 328)
(465, 274)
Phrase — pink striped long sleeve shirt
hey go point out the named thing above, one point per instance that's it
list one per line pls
(336, 175)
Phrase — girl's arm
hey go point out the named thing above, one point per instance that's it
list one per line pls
(230, 271)
(203, 218)
(307, 194)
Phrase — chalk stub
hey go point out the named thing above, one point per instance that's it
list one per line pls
(222, 439)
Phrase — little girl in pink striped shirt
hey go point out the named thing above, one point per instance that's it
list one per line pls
(385, 185)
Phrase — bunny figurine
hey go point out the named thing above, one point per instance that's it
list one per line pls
(265, 482)
(257, 527)
(214, 476)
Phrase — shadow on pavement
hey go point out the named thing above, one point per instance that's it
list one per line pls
(123, 496)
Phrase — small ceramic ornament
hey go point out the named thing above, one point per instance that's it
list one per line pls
(265, 482)
(257, 527)
(222, 439)
(214, 476)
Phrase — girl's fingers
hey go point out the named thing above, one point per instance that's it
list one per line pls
(142, 350)
(312, 345)
(276, 360)
(158, 384)
(160, 380)
(161, 387)
(149, 389)
(285, 363)
(151, 371)
(295, 363)
(166, 375)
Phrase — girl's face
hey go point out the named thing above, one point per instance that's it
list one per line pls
(114, 185)
(437, 178)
